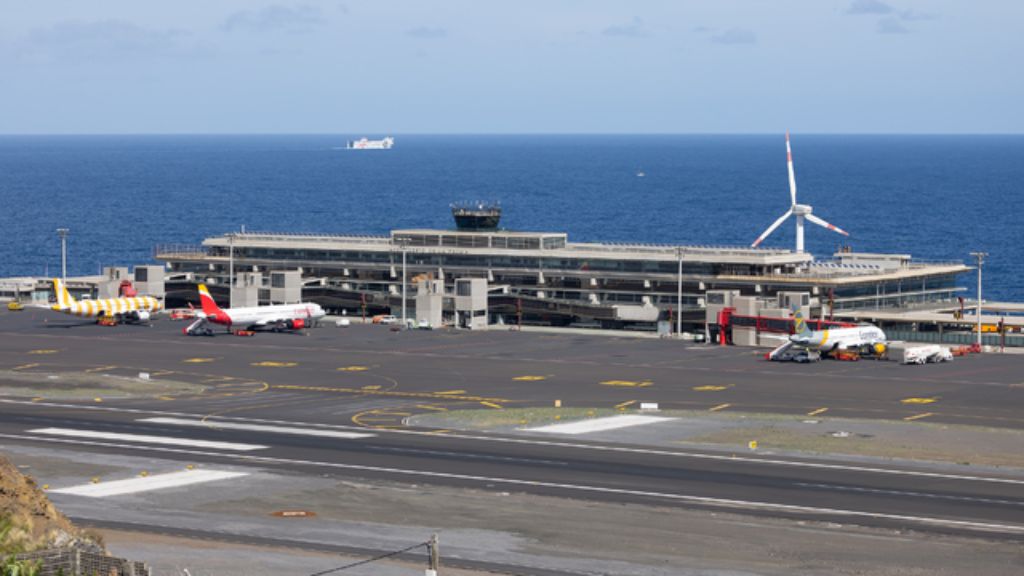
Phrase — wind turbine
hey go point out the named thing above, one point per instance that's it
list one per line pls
(801, 211)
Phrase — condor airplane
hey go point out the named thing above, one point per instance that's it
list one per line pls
(276, 318)
(836, 338)
(130, 310)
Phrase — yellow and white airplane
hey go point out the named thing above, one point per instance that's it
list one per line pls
(130, 310)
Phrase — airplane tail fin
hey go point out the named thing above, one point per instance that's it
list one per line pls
(799, 324)
(64, 299)
(209, 306)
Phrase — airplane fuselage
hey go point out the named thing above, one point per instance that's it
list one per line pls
(839, 338)
(264, 315)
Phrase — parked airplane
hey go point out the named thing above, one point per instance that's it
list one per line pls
(835, 338)
(133, 310)
(276, 318)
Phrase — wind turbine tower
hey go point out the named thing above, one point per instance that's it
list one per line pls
(801, 211)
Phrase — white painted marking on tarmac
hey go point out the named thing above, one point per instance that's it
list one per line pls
(705, 500)
(912, 494)
(219, 424)
(551, 443)
(146, 439)
(149, 483)
(599, 424)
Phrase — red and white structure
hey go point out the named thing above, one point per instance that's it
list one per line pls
(801, 211)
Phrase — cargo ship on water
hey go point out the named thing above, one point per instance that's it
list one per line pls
(367, 144)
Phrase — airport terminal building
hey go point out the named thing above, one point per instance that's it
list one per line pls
(543, 278)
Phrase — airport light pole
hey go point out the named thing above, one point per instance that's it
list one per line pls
(404, 243)
(679, 294)
(63, 233)
(231, 270)
(980, 256)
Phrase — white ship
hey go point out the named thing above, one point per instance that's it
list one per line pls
(366, 144)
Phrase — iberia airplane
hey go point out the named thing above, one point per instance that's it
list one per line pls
(277, 318)
(132, 310)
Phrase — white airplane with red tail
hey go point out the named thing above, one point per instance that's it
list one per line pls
(278, 318)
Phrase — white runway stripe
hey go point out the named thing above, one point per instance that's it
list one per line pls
(216, 424)
(145, 439)
(600, 424)
(147, 483)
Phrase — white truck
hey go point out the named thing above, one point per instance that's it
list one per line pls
(906, 353)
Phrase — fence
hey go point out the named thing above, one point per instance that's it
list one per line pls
(957, 338)
(75, 562)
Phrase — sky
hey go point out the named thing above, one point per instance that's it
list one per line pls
(524, 66)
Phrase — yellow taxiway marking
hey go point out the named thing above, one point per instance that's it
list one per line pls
(709, 388)
(628, 383)
(372, 387)
(353, 369)
(919, 416)
(432, 395)
(719, 407)
(217, 379)
(42, 351)
(818, 411)
(161, 373)
(450, 393)
(624, 404)
(198, 360)
(918, 400)
(25, 366)
(432, 407)
(493, 405)
(439, 432)
(273, 364)
(100, 368)
(38, 399)
(166, 398)
(529, 378)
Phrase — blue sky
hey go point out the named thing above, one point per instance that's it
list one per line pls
(535, 66)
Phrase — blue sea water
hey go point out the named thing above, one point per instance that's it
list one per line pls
(935, 197)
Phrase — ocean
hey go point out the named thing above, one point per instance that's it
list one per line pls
(934, 197)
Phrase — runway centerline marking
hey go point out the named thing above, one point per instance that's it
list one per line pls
(198, 360)
(689, 498)
(220, 425)
(600, 424)
(43, 351)
(149, 483)
(275, 364)
(147, 439)
(710, 388)
(353, 369)
(529, 378)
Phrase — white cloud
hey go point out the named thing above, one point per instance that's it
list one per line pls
(869, 7)
(276, 17)
(634, 29)
(891, 26)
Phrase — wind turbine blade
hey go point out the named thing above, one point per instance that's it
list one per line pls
(824, 224)
(772, 228)
(792, 176)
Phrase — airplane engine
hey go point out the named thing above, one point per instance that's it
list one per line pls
(296, 324)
